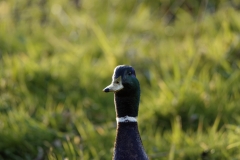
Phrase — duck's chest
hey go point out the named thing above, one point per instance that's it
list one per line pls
(128, 144)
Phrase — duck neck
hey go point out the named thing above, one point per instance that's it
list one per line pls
(126, 104)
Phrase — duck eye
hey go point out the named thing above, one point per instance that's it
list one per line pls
(129, 73)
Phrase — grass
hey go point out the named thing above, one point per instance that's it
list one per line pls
(57, 56)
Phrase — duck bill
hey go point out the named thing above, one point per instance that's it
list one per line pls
(115, 86)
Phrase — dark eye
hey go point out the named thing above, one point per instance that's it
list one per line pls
(129, 73)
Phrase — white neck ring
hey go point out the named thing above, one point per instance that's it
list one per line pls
(126, 119)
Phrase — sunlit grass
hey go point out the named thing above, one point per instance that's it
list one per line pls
(57, 56)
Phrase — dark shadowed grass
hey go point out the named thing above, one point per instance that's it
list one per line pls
(57, 56)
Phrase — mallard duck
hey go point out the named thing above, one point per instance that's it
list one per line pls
(126, 88)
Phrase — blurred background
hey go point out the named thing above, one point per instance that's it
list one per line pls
(56, 56)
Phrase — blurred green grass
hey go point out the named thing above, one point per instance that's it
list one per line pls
(57, 56)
